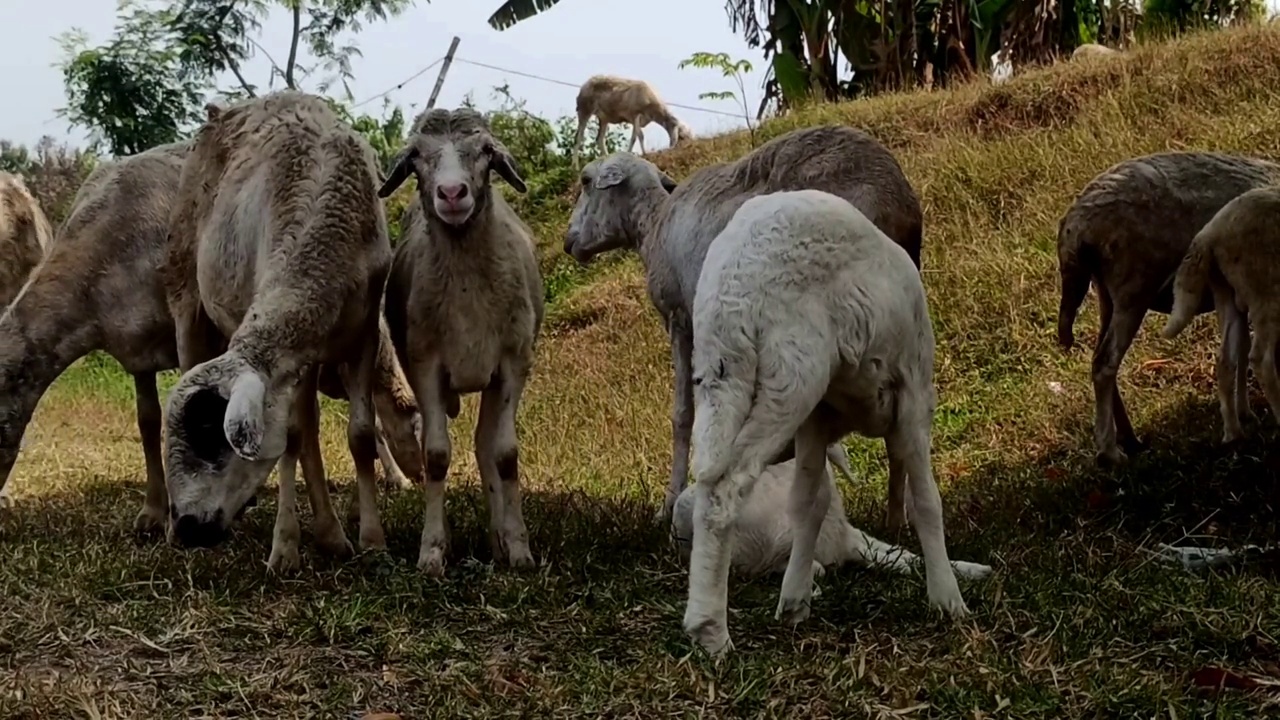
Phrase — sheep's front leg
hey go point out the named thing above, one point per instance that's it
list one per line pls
(286, 535)
(362, 442)
(810, 497)
(155, 509)
(901, 510)
(391, 471)
(681, 416)
(429, 389)
(1230, 325)
(325, 525)
(637, 132)
(910, 441)
(578, 137)
(497, 456)
(602, 127)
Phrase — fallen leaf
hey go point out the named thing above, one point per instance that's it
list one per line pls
(1212, 678)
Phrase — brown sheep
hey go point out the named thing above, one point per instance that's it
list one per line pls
(619, 100)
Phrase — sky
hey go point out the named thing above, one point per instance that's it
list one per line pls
(569, 42)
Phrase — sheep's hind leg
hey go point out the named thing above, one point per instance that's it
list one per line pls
(155, 509)
(429, 390)
(869, 552)
(1263, 358)
(497, 456)
(1110, 413)
(808, 502)
(681, 418)
(325, 525)
(1229, 361)
(362, 441)
(1241, 349)
(910, 441)
(286, 535)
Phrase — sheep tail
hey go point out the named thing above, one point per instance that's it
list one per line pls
(1189, 285)
(1075, 261)
(724, 388)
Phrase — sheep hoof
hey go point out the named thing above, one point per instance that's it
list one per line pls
(335, 543)
(944, 594)
(1134, 446)
(149, 521)
(710, 634)
(971, 571)
(792, 611)
(373, 539)
(1108, 459)
(431, 561)
(284, 558)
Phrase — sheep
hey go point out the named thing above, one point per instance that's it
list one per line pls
(627, 202)
(809, 322)
(24, 235)
(619, 100)
(1088, 51)
(1237, 256)
(464, 301)
(1126, 233)
(763, 542)
(101, 289)
(279, 242)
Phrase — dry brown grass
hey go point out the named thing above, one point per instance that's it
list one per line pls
(1078, 621)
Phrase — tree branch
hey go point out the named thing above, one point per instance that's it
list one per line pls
(293, 45)
(275, 66)
(235, 68)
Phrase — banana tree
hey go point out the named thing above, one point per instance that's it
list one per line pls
(514, 11)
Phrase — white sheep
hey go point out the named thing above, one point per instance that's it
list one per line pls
(278, 242)
(1092, 50)
(24, 235)
(620, 100)
(627, 202)
(1236, 256)
(464, 303)
(808, 323)
(762, 544)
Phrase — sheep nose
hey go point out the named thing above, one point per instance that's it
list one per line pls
(451, 193)
(192, 532)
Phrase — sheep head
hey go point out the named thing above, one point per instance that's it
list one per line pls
(226, 425)
(451, 154)
(683, 134)
(610, 204)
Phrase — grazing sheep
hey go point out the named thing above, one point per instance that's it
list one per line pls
(764, 535)
(1237, 256)
(809, 323)
(619, 100)
(278, 241)
(24, 235)
(627, 202)
(464, 303)
(1092, 50)
(100, 289)
(1126, 233)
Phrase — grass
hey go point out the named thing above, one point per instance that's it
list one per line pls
(1077, 621)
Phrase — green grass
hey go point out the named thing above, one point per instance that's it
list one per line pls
(1078, 620)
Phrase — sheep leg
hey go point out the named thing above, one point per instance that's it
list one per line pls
(1263, 358)
(155, 509)
(637, 133)
(391, 471)
(1228, 364)
(497, 456)
(601, 128)
(901, 509)
(286, 535)
(910, 441)
(362, 442)
(1109, 407)
(869, 552)
(1241, 338)
(577, 138)
(809, 499)
(325, 525)
(429, 389)
(681, 416)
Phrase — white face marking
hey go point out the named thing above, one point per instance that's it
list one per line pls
(452, 193)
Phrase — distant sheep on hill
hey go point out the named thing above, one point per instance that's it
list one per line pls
(619, 100)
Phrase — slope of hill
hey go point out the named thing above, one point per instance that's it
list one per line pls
(1079, 620)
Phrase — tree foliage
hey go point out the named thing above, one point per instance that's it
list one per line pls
(148, 83)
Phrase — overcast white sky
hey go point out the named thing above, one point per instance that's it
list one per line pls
(570, 42)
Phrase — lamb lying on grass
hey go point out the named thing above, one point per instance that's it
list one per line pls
(1127, 233)
(764, 535)
(809, 323)
(278, 241)
(1237, 257)
(627, 202)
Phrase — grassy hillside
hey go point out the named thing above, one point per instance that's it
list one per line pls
(1078, 620)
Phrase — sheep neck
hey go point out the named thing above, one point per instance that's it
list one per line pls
(646, 218)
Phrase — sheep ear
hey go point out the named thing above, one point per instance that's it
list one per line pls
(399, 171)
(244, 424)
(667, 183)
(501, 161)
(609, 176)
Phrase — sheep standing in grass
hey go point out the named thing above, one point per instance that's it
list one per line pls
(1127, 233)
(101, 289)
(1092, 50)
(763, 535)
(619, 100)
(24, 235)
(809, 323)
(464, 303)
(627, 202)
(1237, 257)
(278, 241)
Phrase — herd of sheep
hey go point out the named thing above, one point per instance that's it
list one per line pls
(255, 258)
